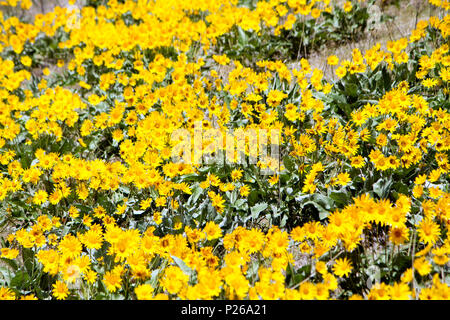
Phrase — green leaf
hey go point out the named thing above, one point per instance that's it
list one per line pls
(382, 186)
(323, 213)
(180, 263)
(11, 263)
(5, 273)
(253, 197)
(253, 269)
(386, 80)
(239, 204)
(153, 278)
(195, 195)
(20, 280)
(324, 201)
(351, 89)
(339, 197)
(257, 209)
(191, 177)
(243, 39)
(289, 163)
(400, 187)
(28, 259)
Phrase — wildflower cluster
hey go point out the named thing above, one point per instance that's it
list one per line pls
(114, 184)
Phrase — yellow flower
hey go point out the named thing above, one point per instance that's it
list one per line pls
(273, 179)
(244, 190)
(144, 292)
(236, 174)
(428, 231)
(357, 162)
(90, 276)
(40, 197)
(422, 266)
(399, 235)
(70, 246)
(8, 253)
(332, 60)
(380, 291)
(321, 267)
(341, 71)
(157, 217)
(117, 135)
(347, 6)
(212, 231)
(60, 290)
(7, 294)
(145, 204)
(417, 191)
(400, 291)
(92, 239)
(112, 281)
(26, 61)
(72, 273)
(407, 276)
(342, 267)
(307, 291)
(222, 60)
(344, 178)
(217, 201)
(440, 256)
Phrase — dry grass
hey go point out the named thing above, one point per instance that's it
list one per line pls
(45, 6)
(405, 18)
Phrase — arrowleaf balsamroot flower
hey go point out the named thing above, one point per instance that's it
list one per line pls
(428, 231)
(60, 290)
(342, 267)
